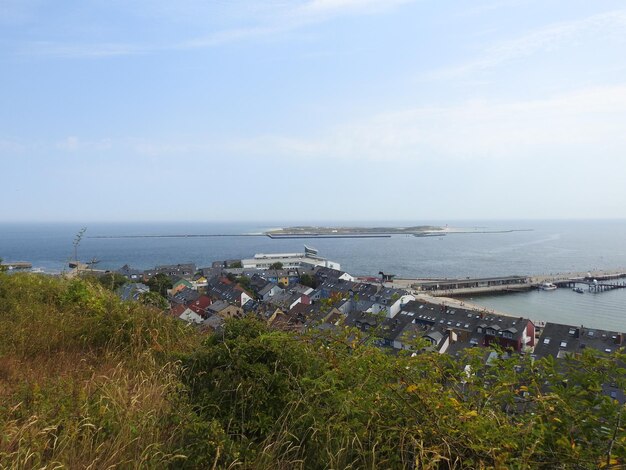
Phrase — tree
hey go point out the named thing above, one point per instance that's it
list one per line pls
(112, 281)
(236, 264)
(244, 281)
(308, 280)
(277, 265)
(160, 283)
(2, 266)
(77, 240)
(153, 299)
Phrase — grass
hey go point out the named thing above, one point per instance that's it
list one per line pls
(85, 380)
(88, 381)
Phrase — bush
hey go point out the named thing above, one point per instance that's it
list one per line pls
(88, 380)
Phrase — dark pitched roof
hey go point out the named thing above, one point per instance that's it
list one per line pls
(267, 288)
(224, 289)
(257, 283)
(461, 319)
(558, 339)
(127, 271)
(322, 272)
(186, 295)
(284, 299)
(186, 270)
(218, 306)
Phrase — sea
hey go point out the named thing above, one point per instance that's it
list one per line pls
(521, 247)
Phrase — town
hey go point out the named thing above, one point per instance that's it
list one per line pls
(303, 291)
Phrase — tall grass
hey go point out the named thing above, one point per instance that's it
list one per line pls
(87, 381)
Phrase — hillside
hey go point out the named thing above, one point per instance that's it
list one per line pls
(89, 381)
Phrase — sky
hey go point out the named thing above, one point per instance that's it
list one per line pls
(337, 110)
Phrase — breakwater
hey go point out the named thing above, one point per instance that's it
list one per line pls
(192, 235)
(17, 265)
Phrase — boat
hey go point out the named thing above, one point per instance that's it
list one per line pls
(578, 290)
(547, 286)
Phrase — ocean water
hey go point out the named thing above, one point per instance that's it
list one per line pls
(550, 247)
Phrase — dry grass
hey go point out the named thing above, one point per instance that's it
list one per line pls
(79, 391)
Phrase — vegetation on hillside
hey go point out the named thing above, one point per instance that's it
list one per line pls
(87, 380)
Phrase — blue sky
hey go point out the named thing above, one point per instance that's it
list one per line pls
(312, 109)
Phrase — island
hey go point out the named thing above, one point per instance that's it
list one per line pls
(354, 232)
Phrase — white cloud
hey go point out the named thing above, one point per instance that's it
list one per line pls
(327, 7)
(564, 126)
(10, 146)
(82, 51)
(549, 38)
(275, 19)
(569, 127)
(75, 144)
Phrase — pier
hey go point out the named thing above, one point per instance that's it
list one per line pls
(17, 265)
(597, 281)
(591, 285)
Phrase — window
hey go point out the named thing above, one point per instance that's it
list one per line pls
(546, 341)
(563, 344)
(480, 330)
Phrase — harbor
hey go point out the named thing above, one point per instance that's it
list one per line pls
(553, 252)
(597, 281)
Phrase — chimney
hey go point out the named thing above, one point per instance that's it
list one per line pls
(619, 338)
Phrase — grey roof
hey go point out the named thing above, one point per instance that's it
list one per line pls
(300, 288)
(267, 288)
(322, 272)
(218, 306)
(127, 271)
(184, 270)
(421, 318)
(214, 321)
(132, 291)
(257, 282)
(284, 299)
(229, 292)
(186, 295)
(558, 339)
(436, 336)
(387, 295)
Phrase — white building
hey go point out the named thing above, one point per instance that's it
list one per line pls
(289, 260)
